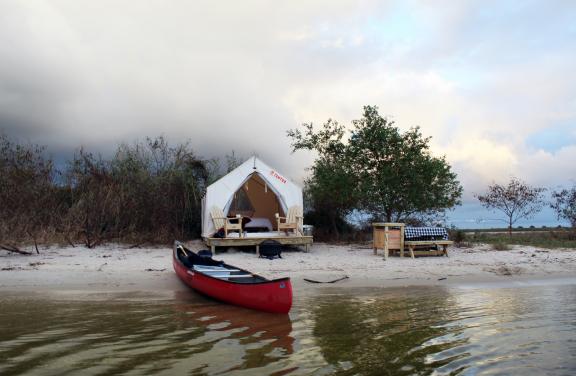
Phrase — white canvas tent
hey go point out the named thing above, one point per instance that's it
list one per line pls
(265, 189)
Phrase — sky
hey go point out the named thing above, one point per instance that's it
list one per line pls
(492, 82)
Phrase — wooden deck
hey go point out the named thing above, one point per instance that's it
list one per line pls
(305, 241)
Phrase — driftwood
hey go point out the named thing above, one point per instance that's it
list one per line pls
(11, 248)
(33, 236)
(336, 280)
(67, 238)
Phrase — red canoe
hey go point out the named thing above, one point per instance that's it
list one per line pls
(230, 284)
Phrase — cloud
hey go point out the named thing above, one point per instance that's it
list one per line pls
(478, 77)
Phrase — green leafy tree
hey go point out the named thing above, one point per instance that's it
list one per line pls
(564, 205)
(331, 187)
(390, 175)
(398, 176)
(516, 200)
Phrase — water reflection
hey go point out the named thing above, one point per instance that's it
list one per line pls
(197, 337)
(389, 334)
(265, 337)
(526, 331)
(418, 331)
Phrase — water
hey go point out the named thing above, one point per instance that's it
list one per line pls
(425, 331)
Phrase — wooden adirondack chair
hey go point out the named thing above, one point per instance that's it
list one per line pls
(228, 224)
(292, 221)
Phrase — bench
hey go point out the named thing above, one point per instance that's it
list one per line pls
(414, 244)
(397, 237)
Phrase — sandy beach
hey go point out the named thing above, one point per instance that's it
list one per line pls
(118, 268)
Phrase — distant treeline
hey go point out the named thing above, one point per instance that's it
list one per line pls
(146, 192)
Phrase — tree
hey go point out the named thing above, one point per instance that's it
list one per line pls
(377, 169)
(516, 200)
(332, 193)
(29, 205)
(397, 175)
(565, 205)
(332, 188)
(148, 191)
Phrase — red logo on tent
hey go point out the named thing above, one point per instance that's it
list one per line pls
(272, 173)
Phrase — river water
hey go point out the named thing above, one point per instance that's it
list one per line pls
(473, 330)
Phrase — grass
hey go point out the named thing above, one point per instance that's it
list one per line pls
(544, 239)
(520, 229)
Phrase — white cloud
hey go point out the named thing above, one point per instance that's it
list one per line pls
(478, 77)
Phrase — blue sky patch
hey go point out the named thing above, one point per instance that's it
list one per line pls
(554, 138)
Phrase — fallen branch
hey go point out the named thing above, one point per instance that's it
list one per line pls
(34, 238)
(336, 280)
(14, 249)
(69, 241)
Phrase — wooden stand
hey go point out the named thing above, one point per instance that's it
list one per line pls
(388, 236)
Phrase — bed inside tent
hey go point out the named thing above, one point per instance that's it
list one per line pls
(258, 204)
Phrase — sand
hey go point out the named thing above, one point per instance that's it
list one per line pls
(118, 268)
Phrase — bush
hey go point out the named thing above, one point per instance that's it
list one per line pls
(457, 235)
(500, 246)
(31, 203)
(147, 192)
(327, 228)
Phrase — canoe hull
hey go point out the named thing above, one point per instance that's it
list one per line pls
(270, 296)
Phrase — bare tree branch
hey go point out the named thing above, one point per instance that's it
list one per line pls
(516, 200)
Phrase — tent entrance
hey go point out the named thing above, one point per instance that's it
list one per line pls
(255, 199)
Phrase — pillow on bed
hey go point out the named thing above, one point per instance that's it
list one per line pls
(244, 219)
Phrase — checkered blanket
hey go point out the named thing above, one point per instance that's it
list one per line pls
(425, 233)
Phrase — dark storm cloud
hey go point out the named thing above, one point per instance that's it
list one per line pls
(76, 74)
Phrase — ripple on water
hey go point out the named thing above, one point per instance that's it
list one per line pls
(435, 331)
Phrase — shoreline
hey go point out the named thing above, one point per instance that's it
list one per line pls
(114, 268)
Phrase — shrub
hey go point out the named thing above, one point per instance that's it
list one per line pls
(146, 192)
(500, 246)
(458, 236)
(30, 205)
(149, 191)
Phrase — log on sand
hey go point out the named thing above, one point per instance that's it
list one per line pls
(14, 249)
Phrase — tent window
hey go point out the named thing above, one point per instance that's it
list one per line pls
(241, 202)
